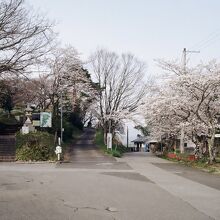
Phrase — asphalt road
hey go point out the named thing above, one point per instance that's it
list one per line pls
(43, 192)
(195, 175)
(97, 187)
(84, 150)
(85, 154)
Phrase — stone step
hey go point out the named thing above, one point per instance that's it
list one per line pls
(7, 151)
(7, 143)
(7, 158)
(7, 140)
(7, 146)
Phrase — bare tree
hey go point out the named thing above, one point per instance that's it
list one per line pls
(25, 38)
(121, 86)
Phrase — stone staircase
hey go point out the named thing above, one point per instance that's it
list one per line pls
(7, 144)
(7, 147)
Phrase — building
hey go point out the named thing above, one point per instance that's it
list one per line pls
(142, 143)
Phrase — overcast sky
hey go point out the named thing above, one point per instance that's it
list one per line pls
(149, 29)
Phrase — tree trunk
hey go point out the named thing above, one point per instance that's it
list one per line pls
(211, 147)
(105, 135)
(199, 146)
(182, 140)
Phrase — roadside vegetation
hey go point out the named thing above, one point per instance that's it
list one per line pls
(117, 148)
(202, 164)
(41, 145)
(37, 146)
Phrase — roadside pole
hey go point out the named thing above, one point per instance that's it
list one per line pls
(184, 71)
(61, 118)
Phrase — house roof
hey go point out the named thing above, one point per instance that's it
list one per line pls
(152, 141)
(140, 139)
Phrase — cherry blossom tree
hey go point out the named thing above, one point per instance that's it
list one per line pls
(191, 99)
(63, 75)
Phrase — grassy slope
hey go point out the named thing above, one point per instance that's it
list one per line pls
(116, 151)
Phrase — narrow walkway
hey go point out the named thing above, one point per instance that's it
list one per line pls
(201, 197)
(84, 150)
(85, 154)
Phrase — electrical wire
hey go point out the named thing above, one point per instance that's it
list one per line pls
(207, 41)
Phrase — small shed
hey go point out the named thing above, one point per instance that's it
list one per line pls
(139, 143)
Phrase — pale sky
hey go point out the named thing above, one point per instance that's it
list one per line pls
(149, 29)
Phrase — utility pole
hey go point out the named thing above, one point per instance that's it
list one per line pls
(185, 52)
(61, 118)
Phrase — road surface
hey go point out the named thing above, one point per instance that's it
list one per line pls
(97, 187)
(85, 154)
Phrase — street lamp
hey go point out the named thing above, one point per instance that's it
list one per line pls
(61, 113)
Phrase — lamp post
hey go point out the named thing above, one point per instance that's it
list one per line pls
(61, 111)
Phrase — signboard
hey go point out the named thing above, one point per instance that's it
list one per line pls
(45, 119)
(58, 150)
(109, 140)
(36, 119)
(36, 123)
(217, 135)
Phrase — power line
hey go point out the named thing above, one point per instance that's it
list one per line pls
(211, 38)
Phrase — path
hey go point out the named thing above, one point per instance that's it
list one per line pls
(85, 154)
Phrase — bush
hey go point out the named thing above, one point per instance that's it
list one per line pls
(35, 146)
(117, 150)
(99, 140)
(115, 153)
(6, 119)
(177, 151)
(68, 130)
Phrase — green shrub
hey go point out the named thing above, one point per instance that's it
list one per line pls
(35, 146)
(6, 119)
(68, 130)
(117, 150)
(171, 150)
(115, 153)
(177, 151)
(99, 140)
(122, 149)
